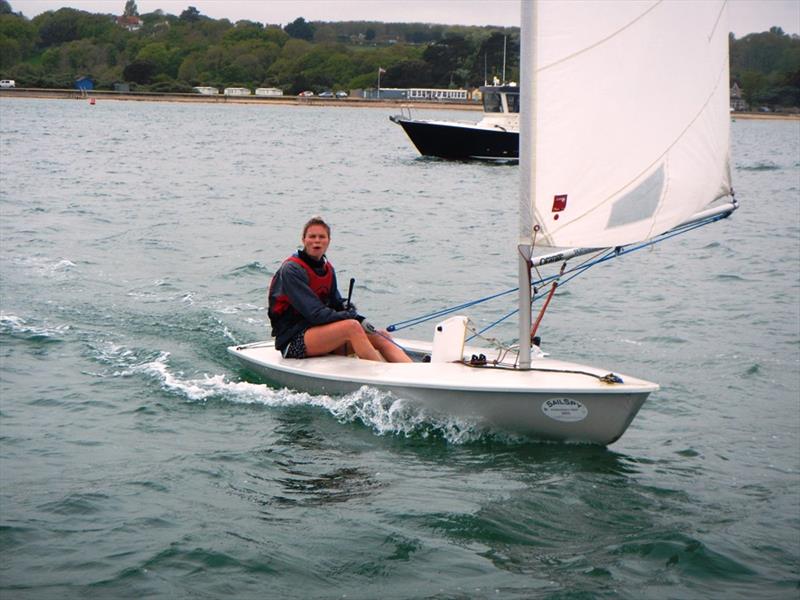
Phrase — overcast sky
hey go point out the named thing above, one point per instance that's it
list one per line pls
(746, 16)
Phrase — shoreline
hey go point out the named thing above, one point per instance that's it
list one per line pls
(766, 116)
(290, 101)
(222, 99)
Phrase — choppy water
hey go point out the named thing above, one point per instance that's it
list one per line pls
(137, 240)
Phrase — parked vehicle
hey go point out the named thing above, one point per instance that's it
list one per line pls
(306, 93)
(269, 92)
(341, 94)
(7, 83)
(237, 91)
(326, 95)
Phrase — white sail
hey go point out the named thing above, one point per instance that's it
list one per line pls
(627, 125)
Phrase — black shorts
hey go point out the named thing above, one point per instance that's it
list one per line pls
(296, 348)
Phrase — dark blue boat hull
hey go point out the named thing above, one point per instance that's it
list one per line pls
(460, 142)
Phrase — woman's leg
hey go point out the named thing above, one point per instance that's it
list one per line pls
(324, 339)
(390, 351)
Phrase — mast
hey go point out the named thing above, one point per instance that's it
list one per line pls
(505, 38)
(527, 164)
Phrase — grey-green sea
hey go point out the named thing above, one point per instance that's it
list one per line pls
(138, 460)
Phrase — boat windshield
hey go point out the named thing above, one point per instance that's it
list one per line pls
(492, 103)
(513, 102)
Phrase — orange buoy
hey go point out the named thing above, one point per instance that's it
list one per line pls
(91, 101)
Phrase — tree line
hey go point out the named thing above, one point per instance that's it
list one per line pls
(767, 68)
(172, 53)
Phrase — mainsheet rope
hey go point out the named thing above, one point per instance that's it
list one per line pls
(601, 257)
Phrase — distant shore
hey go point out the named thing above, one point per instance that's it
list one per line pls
(222, 99)
(289, 100)
(766, 116)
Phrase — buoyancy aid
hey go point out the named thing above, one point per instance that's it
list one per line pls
(319, 284)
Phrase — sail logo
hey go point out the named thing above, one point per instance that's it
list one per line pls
(559, 204)
(564, 409)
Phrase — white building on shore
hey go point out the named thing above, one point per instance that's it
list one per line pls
(237, 91)
(430, 94)
(269, 92)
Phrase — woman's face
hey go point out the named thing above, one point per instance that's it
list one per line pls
(316, 241)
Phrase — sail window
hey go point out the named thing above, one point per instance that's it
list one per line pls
(492, 103)
(640, 203)
(513, 102)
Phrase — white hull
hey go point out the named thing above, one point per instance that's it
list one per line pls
(564, 406)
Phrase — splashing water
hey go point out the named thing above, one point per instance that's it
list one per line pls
(381, 411)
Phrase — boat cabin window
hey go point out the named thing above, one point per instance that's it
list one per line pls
(513, 102)
(492, 102)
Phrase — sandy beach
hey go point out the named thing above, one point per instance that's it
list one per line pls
(287, 100)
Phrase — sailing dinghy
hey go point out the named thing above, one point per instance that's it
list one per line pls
(624, 139)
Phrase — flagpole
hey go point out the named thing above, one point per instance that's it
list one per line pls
(379, 82)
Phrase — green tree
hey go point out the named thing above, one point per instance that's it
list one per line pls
(764, 64)
(447, 56)
(300, 29)
(276, 35)
(190, 15)
(17, 39)
(325, 35)
(26, 75)
(753, 86)
(407, 74)
(10, 53)
(244, 30)
(58, 27)
(191, 68)
(131, 10)
(156, 54)
(141, 72)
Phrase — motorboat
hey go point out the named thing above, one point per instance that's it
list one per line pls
(494, 138)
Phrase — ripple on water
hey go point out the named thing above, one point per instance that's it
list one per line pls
(80, 503)
(680, 552)
(759, 166)
(251, 268)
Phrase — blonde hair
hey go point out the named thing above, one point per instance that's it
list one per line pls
(316, 221)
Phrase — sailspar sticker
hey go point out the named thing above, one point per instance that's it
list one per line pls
(564, 409)
(559, 204)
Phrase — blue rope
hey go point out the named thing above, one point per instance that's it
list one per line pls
(574, 271)
(445, 311)
(488, 327)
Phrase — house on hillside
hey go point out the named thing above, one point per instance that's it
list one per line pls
(130, 22)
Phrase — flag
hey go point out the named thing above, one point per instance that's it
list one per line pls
(380, 70)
